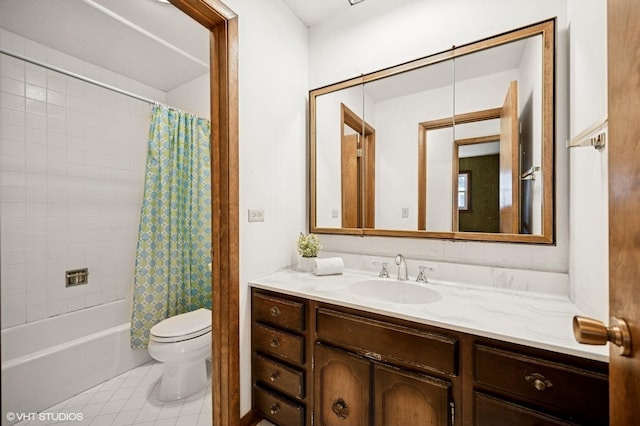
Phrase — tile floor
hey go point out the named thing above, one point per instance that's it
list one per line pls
(129, 399)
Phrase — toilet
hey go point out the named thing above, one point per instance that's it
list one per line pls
(183, 344)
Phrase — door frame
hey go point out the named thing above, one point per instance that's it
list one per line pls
(222, 23)
(365, 169)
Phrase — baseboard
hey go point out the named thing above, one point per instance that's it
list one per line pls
(250, 419)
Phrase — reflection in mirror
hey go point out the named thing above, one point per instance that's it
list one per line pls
(388, 148)
(478, 191)
(339, 133)
(438, 165)
(509, 76)
(395, 105)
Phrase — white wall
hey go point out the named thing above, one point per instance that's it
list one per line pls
(589, 218)
(192, 96)
(273, 138)
(72, 177)
(376, 34)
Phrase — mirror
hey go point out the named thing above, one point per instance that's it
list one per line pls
(457, 145)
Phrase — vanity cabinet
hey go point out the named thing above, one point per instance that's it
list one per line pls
(537, 387)
(383, 371)
(342, 387)
(322, 364)
(280, 359)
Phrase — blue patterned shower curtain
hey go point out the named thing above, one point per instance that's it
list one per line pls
(174, 241)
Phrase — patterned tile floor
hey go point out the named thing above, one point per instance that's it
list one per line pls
(129, 399)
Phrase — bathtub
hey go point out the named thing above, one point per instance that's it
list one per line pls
(48, 361)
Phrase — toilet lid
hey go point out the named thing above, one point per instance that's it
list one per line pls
(182, 327)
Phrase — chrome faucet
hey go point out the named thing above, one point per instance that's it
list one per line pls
(422, 277)
(383, 271)
(403, 274)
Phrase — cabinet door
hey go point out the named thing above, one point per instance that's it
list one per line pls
(342, 388)
(403, 398)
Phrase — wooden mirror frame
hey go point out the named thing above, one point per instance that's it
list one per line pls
(222, 23)
(547, 30)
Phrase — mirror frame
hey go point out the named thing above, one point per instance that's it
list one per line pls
(547, 30)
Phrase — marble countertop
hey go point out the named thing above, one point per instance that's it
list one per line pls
(527, 318)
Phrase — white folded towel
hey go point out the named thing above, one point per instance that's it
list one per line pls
(328, 266)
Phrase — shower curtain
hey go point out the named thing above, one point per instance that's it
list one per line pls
(174, 240)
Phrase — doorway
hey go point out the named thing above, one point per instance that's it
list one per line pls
(222, 23)
(358, 162)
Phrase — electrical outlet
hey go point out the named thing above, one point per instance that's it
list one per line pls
(405, 212)
(256, 215)
(334, 214)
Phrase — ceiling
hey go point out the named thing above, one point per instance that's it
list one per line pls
(312, 12)
(149, 41)
(146, 40)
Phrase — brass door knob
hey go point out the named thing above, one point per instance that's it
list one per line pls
(593, 332)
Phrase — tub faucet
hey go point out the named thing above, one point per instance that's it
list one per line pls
(403, 274)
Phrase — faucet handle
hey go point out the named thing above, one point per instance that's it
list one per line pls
(422, 277)
(383, 271)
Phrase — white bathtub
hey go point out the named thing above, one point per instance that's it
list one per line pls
(48, 361)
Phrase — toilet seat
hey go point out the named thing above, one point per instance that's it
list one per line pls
(182, 327)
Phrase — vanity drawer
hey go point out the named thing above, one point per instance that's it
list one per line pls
(278, 311)
(490, 411)
(278, 343)
(560, 388)
(278, 376)
(391, 343)
(277, 409)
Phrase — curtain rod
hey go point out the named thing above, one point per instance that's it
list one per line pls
(80, 77)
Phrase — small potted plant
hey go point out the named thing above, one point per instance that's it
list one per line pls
(308, 248)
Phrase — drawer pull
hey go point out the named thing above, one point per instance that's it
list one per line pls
(538, 381)
(275, 342)
(373, 355)
(340, 408)
(274, 376)
(275, 311)
(274, 409)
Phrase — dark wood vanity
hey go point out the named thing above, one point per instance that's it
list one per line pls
(323, 364)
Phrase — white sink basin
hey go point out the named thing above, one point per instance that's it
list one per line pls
(395, 291)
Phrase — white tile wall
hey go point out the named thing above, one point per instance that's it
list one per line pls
(72, 159)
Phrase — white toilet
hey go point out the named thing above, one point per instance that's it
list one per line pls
(183, 344)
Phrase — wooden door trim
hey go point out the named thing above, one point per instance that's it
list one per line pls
(222, 23)
(441, 123)
(456, 170)
(368, 134)
(510, 160)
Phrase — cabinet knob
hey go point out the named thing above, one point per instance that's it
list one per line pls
(593, 332)
(275, 311)
(275, 342)
(538, 381)
(274, 376)
(340, 408)
(274, 409)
